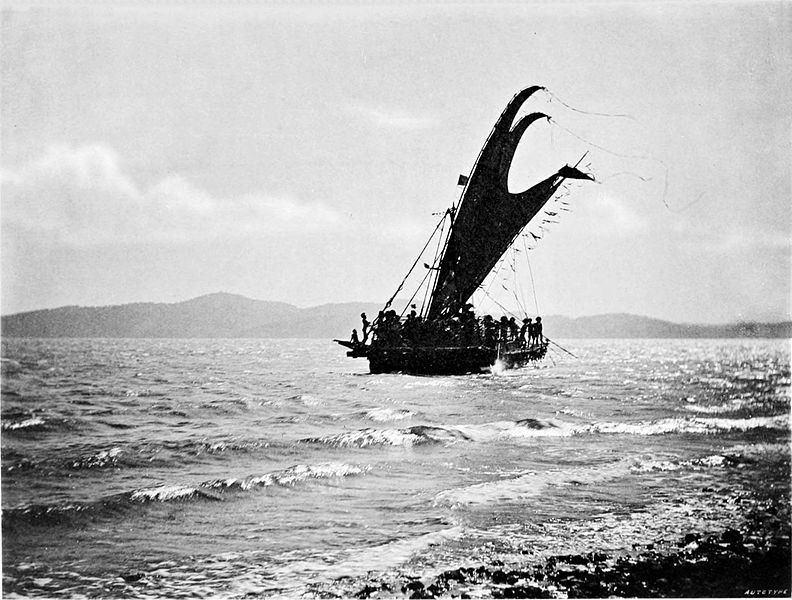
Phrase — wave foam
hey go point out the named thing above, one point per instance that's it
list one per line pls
(289, 477)
(370, 437)
(528, 485)
(98, 460)
(23, 424)
(388, 414)
(691, 425)
(434, 434)
(166, 493)
(706, 462)
(530, 428)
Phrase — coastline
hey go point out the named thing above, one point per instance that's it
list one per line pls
(749, 559)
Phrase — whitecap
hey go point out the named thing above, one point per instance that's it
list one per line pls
(24, 424)
(388, 414)
(692, 425)
(164, 493)
(290, 476)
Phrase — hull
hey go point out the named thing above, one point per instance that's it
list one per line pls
(457, 360)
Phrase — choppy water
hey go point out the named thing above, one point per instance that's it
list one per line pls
(135, 468)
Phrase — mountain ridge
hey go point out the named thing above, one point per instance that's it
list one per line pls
(225, 315)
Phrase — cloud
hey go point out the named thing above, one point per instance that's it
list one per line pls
(82, 196)
(390, 118)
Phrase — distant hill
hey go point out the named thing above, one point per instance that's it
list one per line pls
(224, 315)
(632, 326)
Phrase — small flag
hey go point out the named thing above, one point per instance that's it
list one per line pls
(462, 180)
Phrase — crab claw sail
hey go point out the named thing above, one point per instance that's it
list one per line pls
(489, 216)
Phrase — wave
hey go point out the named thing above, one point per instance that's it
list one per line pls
(532, 428)
(696, 464)
(689, 425)
(388, 414)
(733, 405)
(209, 490)
(101, 459)
(289, 477)
(335, 574)
(373, 437)
(86, 456)
(444, 434)
(31, 423)
(521, 486)
(529, 485)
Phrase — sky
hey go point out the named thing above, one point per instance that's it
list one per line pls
(158, 153)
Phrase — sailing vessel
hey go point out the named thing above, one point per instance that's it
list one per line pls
(444, 336)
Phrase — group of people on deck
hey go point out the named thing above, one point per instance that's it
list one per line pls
(464, 329)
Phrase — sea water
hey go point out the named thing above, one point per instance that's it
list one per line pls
(170, 468)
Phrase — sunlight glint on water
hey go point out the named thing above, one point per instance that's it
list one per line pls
(138, 468)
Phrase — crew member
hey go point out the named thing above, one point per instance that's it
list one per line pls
(366, 327)
(526, 327)
(513, 329)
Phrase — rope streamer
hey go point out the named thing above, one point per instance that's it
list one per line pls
(612, 153)
(622, 173)
(586, 112)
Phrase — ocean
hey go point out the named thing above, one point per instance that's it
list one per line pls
(136, 468)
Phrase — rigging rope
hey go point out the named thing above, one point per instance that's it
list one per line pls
(401, 285)
(429, 285)
(631, 174)
(505, 310)
(586, 112)
(494, 274)
(533, 287)
(514, 279)
(518, 286)
(611, 152)
(415, 293)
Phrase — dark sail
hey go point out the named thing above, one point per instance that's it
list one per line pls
(490, 217)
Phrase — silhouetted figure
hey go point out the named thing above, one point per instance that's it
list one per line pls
(490, 331)
(410, 326)
(392, 327)
(418, 330)
(503, 328)
(538, 329)
(513, 329)
(525, 329)
(366, 327)
(354, 339)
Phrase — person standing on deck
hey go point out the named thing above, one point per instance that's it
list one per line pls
(538, 329)
(526, 328)
(531, 333)
(366, 327)
(503, 328)
(490, 331)
(513, 330)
